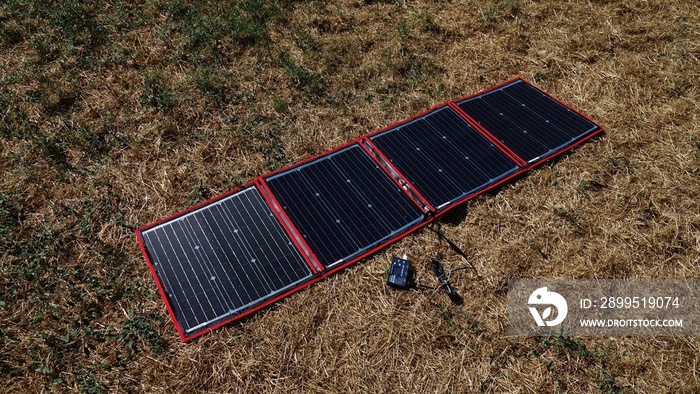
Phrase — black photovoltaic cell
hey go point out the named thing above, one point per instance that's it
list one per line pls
(343, 204)
(223, 258)
(443, 156)
(528, 121)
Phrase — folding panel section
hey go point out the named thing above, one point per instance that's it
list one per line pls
(216, 261)
(443, 156)
(343, 204)
(527, 120)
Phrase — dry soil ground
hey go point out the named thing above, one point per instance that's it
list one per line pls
(114, 114)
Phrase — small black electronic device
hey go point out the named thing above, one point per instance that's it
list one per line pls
(400, 274)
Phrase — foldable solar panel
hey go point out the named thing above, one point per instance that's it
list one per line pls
(248, 248)
(443, 156)
(343, 204)
(530, 122)
(222, 258)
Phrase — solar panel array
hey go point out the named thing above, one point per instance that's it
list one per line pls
(242, 251)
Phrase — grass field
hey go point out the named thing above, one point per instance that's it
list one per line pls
(114, 114)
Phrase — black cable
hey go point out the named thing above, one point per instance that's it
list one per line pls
(456, 249)
(439, 271)
(443, 277)
(445, 282)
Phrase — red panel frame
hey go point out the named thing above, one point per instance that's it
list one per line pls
(420, 196)
(495, 141)
(291, 229)
(261, 186)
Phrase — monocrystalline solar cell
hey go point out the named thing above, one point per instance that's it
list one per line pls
(528, 121)
(343, 204)
(443, 156)
(220, 259)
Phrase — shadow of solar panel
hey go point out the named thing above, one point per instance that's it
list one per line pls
(221, 259)
(343, 204)
(528, 121)
(443, 156)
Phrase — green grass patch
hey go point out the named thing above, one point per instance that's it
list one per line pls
(306, 80)
(157, 93)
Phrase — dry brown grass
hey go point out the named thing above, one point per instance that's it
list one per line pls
(115, 114)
